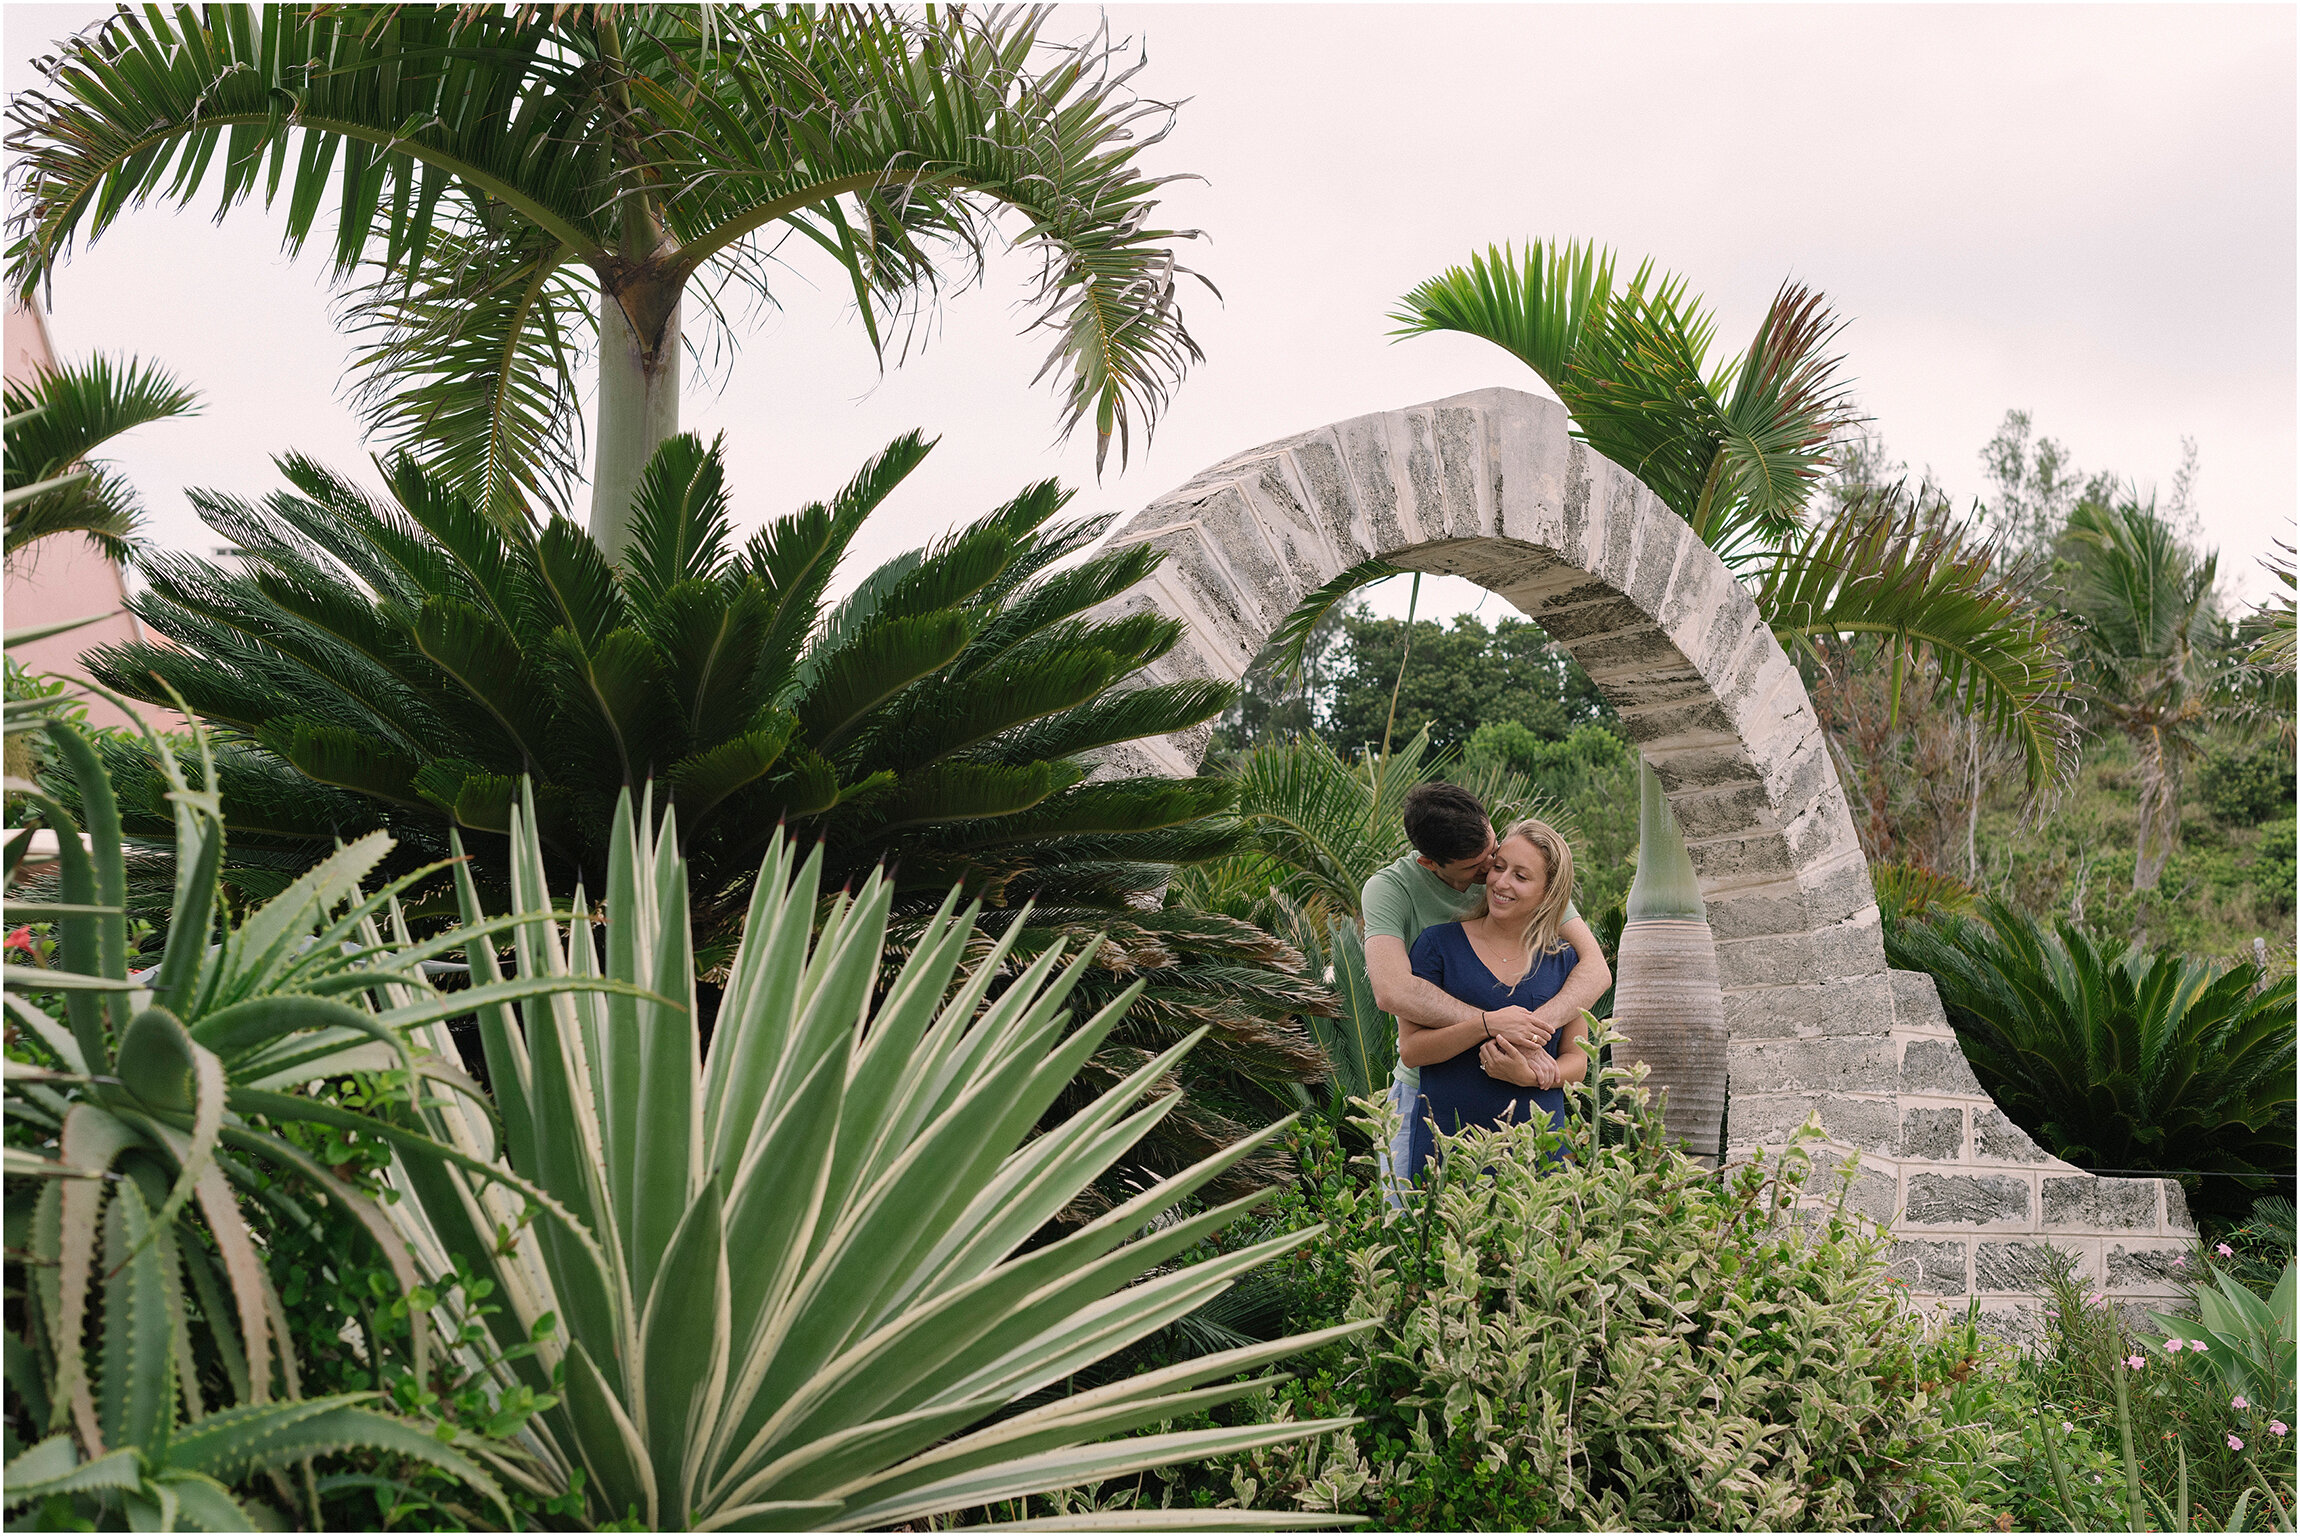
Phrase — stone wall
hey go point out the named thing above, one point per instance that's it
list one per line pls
(1491, 486)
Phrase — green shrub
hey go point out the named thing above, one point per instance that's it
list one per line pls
(2245, 786)
(1629, 1342)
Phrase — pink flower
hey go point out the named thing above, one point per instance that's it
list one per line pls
(2068, 1426)
(2224, 1250)
(2235, 1444)
(2277, 1427)
(2172, 1346)
(2136, 1361)
(2197, 1345)
(2095, 1299)
(2179, 1262)
(2238, 1401)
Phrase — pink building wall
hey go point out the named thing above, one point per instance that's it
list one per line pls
(65, 577)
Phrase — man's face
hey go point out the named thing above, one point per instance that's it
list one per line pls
(1464, 873)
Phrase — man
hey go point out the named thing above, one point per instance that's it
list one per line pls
(1439, 882)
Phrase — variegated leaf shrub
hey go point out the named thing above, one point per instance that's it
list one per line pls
(1629, 1341)
(801, 1267)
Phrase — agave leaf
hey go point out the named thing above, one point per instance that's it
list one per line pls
(53, 1467)
(136, 1395)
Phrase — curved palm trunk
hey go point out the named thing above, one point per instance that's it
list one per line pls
(638, 405)
(1667, 1002)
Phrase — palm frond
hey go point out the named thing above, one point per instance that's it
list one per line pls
(1285, 652)
(1887, 565)
(54, 422)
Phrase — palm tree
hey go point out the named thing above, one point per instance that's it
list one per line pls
(1737, 450)
(513, 184)
(2150, 662)
(54, 422)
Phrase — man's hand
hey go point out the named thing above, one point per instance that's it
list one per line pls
(1523, 1026)
(1504, 1061)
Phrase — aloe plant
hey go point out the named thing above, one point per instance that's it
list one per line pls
(137, 1123)
(792, 1266)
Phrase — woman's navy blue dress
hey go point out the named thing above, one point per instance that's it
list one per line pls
(1458, 1092)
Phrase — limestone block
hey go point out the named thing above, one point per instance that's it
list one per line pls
(1937, 1066)
(2176, 1217)
(1849, 1005)
(1768, 1119)
(2083, 1203)
(1997, 1139)
(1728, 811)
(2148, 1267)
(1844, 1064)
(1917, 1003)
(1757, 858)
(1608, 616)
(1964, 1199)
(1688, 722)
(1681, 769)
(1317, 461)
(2016, 1266)
(1755, 912)
(1929, 1267)
(1874, 1192)
(1365, 455)
(1464, 489)
(1846, 949)
(1663, 541)
(1837, 887)
(1934, 1134)
(1313, 552)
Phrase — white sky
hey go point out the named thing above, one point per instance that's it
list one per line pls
(2087, 212)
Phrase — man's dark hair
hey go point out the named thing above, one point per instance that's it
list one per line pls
(1445, 823)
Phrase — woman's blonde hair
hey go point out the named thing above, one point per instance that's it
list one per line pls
(1540, 934)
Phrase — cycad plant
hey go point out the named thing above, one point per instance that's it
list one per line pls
(793, 1266)
(156, 1363)
(1736, 449)
(54, 421)
(406, 661)
(2114, 1057)
(514, 186)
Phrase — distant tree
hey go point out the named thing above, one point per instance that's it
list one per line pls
(1458, 678)
(1591, 776)
(2034, 485)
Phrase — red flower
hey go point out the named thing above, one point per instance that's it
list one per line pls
(21, 939)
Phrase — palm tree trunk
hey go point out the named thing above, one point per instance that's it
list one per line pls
(2159, 818)
(1667, 1002)
(638, 404)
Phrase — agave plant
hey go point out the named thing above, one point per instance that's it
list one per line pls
(2111, 1056)
(140, 1128)
(55, 420)
(793, 1265)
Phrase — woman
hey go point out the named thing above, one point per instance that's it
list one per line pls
(1517, 948)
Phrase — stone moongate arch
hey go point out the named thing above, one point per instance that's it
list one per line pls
(1492, 487)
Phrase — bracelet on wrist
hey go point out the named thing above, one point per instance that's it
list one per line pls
(1485, 1024)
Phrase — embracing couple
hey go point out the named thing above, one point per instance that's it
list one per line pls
(1472, 941)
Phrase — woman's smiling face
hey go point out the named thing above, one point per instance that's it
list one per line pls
(1517, 879)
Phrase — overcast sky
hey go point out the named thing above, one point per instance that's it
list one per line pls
(2085, 212)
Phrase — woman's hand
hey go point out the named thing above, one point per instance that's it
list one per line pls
(1502, 1059)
